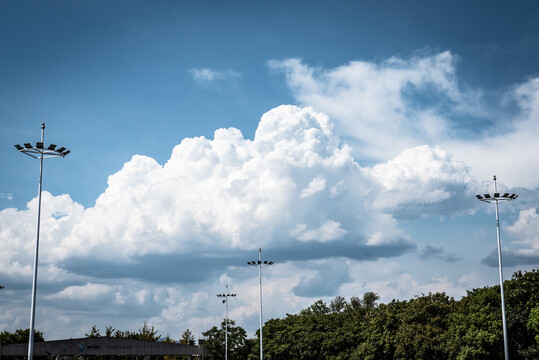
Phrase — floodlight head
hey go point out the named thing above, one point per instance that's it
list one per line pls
(28, 145)
(61, 149)
(39, 145)
(271, 263)
(51, 147)
(67, 152)
(232, 295)
(496, 196)
(18, 147)
(224, 301)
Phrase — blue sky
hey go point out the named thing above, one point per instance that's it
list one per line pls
(347, 140)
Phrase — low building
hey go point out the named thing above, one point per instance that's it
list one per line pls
(96, 346)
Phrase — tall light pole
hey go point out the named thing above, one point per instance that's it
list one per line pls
(260, 263)
(495, 198)
(39, 151)
(225, 301)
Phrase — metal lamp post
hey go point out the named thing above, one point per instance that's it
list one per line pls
(260, 263)
(225, 301)
(495, 198)
(39, 151)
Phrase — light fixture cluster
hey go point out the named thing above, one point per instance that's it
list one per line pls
(260, 262)
(39, 150)
(225, 296)
(497, 197)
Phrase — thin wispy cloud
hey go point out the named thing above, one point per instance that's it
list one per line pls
(209, 77)
(7, 196)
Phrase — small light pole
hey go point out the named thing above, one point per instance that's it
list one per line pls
(495, 198)
(260, 263)
(39, 151)
(225, 301)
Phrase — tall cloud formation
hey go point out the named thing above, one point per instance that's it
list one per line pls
(294, 189)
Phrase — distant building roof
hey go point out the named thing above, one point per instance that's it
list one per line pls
(102, 346)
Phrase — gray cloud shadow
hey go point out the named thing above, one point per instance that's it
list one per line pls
(198, 267)
(510, 258)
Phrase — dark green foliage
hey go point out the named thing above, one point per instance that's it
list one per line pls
(423, 330)
(147, 332)
(476, 326)
(369, 300)
(522, 295)
(379, 331)
(238, 346)
(187, 337)
(533, 322)
(19, 336)
(93, 333)
(432, 326)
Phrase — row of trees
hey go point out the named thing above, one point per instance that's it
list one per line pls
(147, 332)
(432, 326)
(19, 336)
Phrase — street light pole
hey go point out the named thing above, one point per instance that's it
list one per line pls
(496, 198)
(259, 263)
(38, 152)
(225, 301)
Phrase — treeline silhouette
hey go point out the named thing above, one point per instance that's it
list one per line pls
(431, 326)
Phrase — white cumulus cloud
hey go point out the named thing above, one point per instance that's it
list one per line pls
(424, 177)
(294, 183)
(371, 102)
(397, 104)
